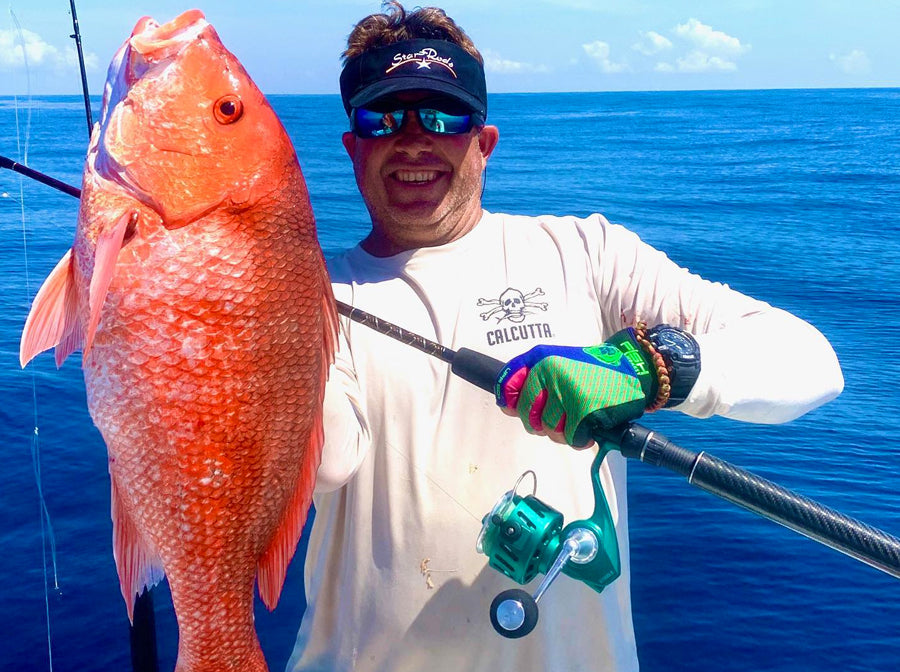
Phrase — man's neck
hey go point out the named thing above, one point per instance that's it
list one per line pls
(379, 243)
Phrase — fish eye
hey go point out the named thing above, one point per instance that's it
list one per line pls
(228, 109)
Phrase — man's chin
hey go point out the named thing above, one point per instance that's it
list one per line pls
(414, 213)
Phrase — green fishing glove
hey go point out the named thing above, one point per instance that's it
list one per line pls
(558, 388)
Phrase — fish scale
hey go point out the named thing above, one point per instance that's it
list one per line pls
(198, 295)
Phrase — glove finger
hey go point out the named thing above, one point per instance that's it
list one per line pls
(553, 413)
(512, 388)
(561, 425)
(536, 411)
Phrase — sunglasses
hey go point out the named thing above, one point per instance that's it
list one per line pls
(366, 123)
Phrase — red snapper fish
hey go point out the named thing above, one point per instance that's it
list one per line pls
(197, 292)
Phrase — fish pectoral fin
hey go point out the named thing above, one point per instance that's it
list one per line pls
(108, 245)
(138, 565)
(53, 319)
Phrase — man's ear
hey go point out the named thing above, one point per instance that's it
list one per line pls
(349, 139)
(487, 140)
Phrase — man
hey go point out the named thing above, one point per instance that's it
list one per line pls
(415, 456)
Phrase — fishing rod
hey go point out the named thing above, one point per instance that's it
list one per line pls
(76, 35)
(39, 177)
(722, 479)
(9, 164)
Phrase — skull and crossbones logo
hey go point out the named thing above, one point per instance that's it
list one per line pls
(512, 305)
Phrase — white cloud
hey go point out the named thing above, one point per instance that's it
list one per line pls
(699, 61)
(493, 62)
(708, 50)
(652, 43)
(599, 53)
(709, 40)
(854, 63)
(38, 53)
(36, 49)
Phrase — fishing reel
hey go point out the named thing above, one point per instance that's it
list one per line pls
(523, 536)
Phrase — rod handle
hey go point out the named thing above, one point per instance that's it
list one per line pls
(479, 369)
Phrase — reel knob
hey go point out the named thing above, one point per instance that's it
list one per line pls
(514, 613)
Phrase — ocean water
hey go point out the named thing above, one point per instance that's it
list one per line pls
(790, 196)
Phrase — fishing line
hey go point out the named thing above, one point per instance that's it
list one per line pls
(47, 536)
(433, 482)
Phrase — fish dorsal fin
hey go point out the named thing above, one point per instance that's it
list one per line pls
(108, 245)
(274, 562)
(53, 318)
(138, 565)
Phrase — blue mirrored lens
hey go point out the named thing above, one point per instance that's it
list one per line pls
(442, 122)
(372, 124)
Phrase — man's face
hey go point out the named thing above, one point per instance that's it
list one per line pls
(421, 189)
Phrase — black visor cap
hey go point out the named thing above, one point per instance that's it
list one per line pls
(436, 66)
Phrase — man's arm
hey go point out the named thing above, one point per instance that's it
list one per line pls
(770, 367)
(758, 363)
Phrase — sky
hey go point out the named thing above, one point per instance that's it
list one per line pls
(528, 45)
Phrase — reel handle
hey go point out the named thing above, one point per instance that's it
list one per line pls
(514, 612)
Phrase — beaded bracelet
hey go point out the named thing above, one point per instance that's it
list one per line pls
(663, 373)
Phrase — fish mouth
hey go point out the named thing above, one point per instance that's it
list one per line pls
(154, 43)
(150, 44)
(148, 54)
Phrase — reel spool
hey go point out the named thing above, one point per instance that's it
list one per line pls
(523, 536)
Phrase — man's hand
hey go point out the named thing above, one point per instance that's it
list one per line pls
(553, 389)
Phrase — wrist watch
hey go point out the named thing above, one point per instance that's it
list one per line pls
(681, 354)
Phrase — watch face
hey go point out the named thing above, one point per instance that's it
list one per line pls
(675, 342)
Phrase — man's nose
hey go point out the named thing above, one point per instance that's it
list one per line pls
(413, 135)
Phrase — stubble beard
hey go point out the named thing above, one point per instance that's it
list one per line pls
(411, 227)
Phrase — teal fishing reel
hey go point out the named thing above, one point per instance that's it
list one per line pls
(523, 537)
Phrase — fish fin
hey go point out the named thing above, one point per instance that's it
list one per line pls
(330, 324)
(70, 342)
(274, 562)
(54, 313)
(138, 566)
(108, 245)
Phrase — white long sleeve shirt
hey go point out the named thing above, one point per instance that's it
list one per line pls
(415, 456)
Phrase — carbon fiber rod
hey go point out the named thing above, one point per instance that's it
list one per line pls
(39, 177)
(389, 329)
(769, 500)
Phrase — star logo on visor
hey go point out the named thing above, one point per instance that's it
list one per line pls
(423, 59)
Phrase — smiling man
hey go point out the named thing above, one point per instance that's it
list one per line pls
(418, 154)
(414, 456)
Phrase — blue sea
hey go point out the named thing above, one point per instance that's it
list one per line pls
(790, 196)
